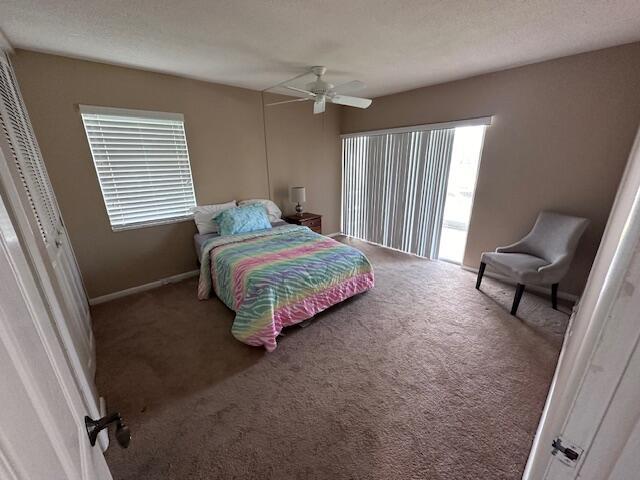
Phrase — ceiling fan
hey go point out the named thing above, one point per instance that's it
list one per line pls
(321, 92)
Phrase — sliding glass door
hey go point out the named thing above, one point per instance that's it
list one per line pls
(397, 190)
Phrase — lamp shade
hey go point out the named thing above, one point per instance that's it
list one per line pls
(297, 195)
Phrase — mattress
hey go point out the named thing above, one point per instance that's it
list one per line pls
(199, 239)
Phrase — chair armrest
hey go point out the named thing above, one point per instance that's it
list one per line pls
(513, 248)
(562, 263)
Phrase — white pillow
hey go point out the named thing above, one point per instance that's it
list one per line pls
(203, 216)
(273, 212)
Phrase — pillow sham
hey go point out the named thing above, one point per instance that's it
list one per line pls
(203, 216)
(273, 212)
(248, 218)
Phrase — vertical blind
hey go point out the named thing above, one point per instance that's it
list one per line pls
(394, 187)
(142, 162)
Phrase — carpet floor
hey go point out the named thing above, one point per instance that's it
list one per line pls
(422, 377)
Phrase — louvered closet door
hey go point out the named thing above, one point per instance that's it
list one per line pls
(32, 200)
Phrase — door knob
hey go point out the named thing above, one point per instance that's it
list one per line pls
(123, 434)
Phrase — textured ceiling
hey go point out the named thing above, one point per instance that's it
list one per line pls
(390, 45)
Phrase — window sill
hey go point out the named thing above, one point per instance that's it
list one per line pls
(154, 223)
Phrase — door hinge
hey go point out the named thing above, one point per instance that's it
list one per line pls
(566, 452)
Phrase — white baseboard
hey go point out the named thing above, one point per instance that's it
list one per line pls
(142, 288)
(534, 288)
(157, 283)
(545, 291)
(388, 248)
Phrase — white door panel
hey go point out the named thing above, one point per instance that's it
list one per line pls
(42, 431)
(593, 401)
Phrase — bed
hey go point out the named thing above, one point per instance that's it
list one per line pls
(279, 277)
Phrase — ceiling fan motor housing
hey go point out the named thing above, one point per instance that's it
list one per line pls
(319, 87)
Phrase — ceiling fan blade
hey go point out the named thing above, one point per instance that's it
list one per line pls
(351, 86)
(299, 90)
(287, 101)
(304, 74)
(351, 101)
(319, 105)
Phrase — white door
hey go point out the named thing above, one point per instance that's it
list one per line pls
(32, 204)
(593, 405)
(605, 415)
(42, 430)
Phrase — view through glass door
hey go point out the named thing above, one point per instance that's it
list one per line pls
(465, 160)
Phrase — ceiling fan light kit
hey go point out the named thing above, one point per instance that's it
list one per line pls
(322, 92)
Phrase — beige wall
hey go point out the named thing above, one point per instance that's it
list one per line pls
(225, 134)
(305, 150)
(561, 136)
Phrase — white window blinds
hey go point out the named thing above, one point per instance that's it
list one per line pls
(142, 162)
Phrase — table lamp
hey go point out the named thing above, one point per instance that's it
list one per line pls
(297, 195)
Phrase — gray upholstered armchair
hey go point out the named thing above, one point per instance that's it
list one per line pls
(542, 257)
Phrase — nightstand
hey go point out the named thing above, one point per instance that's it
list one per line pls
(306, 219)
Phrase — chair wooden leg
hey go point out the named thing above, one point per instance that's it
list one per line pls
(480, 274)
(554, 296)
(516, 299)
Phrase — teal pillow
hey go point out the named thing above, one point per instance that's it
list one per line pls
(242, 219)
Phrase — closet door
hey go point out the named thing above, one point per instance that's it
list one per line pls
(32, 203)
(43, 433)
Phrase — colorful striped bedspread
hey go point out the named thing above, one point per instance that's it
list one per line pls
(279, 277)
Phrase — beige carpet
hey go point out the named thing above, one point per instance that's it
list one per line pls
(421, 378)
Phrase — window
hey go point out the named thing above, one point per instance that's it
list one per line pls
(465, 159)
(397, 188)
(142, 162)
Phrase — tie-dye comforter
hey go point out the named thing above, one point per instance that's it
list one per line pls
(279, 277)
